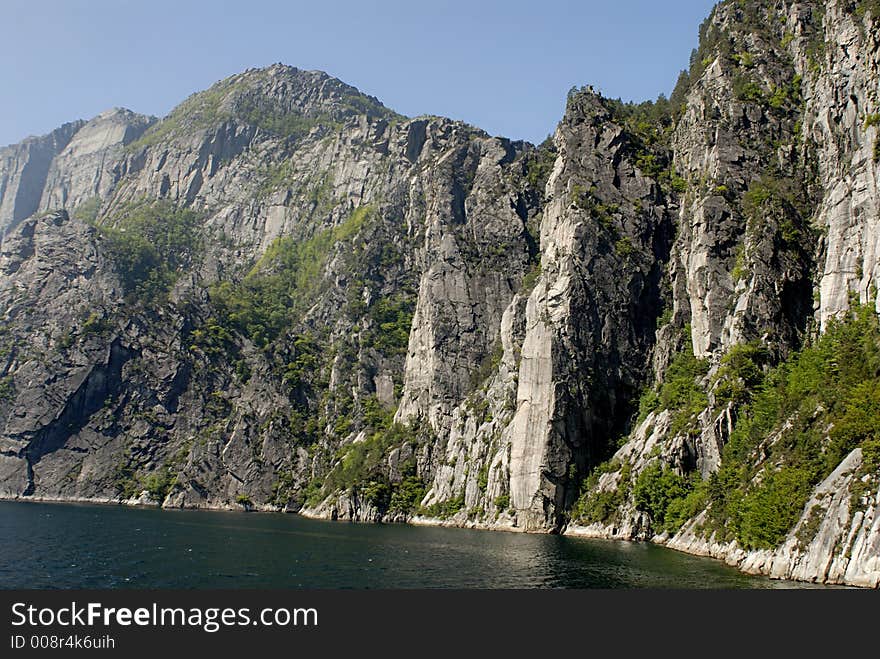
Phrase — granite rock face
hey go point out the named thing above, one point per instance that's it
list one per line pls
(363, 316)
(24, 168)
(784, 112)
(839, 107)
(268, 156)
(589, 320)
(91, 164)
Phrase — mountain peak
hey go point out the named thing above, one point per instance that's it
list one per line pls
(279, 99)
(310, 93)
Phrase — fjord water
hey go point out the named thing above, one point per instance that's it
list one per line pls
(93, 546)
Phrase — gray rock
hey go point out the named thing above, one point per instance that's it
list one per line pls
(24, 168)
(507, 320)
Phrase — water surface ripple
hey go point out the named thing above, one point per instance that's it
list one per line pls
(46, 545)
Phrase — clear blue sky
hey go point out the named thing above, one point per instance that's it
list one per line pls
(504, 66)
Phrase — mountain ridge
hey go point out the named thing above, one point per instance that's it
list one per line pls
(286, 297)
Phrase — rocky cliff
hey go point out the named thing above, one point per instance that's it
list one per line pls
(746, 447)
(659, 324)
(23, 171)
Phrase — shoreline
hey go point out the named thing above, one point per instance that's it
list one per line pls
(737, 559)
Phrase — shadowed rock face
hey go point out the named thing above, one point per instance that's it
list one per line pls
(24, 168)
(589, 319)
(286, 296)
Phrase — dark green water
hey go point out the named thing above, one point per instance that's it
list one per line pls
(90, 546)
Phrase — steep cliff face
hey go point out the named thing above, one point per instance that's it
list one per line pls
(566, 344)
(85, 172)
(23, 171)
(51, 265)
(842, 103)
(286, 296)
(262, 331)
(732, 456)
(589, 322)
(743, 257)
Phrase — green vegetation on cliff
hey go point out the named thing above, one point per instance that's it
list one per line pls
(740, 373)
(284, 282)
(681, 391)
(539, 164)
(151, 244)
(795, 423)
(810, 412)
(391, 323)
(360, 467)
(594, 505)
(669, 498)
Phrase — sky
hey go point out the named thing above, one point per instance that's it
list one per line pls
(505, 66)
